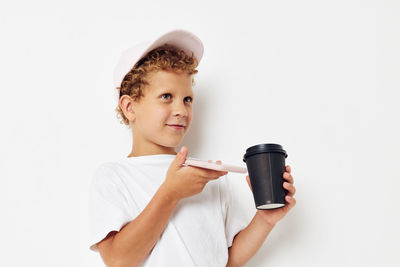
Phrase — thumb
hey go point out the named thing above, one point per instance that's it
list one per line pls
(181, 156)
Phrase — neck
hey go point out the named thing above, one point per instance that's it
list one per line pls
(136, 152)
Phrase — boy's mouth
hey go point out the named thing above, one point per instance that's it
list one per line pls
(176, 126)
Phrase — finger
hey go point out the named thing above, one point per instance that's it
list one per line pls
(214, 174)
(288, 168)
(288, 177)
(218, 172)
(201, 172)
(291, 201)
(290, 188)
(208, 172)
(213, 177)
(210, 177)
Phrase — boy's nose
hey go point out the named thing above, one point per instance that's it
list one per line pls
(180, 109)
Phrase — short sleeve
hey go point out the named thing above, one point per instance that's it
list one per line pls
(107, 205)
(234, 220)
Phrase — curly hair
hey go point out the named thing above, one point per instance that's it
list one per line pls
(167, 58)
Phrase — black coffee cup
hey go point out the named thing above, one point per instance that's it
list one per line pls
(266, 165)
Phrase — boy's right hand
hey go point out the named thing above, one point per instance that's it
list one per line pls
(186, 181)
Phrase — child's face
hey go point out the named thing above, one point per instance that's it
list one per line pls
(167, 101)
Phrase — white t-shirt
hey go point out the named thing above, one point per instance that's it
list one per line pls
(200, 228)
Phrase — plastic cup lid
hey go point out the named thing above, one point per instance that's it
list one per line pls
(264, 148)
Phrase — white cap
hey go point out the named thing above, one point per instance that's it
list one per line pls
(182, 39)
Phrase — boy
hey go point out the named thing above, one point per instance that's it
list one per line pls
(149, 210)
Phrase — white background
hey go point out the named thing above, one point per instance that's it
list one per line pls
(321, 78)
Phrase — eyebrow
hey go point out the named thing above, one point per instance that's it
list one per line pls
(165, 90)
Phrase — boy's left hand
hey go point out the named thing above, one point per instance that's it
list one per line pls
(273, 216)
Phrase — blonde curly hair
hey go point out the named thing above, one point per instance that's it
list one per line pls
(167, 58)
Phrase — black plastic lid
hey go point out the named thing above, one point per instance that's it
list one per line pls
(264, 148)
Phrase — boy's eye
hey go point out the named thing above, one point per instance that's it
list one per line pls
(168, 94)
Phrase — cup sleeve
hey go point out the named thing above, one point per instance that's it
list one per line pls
(107, 206)
(234, 220)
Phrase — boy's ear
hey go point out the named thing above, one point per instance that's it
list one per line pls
(127, 106)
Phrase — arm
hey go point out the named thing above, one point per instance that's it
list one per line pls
(133, 243)
(247, 242)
